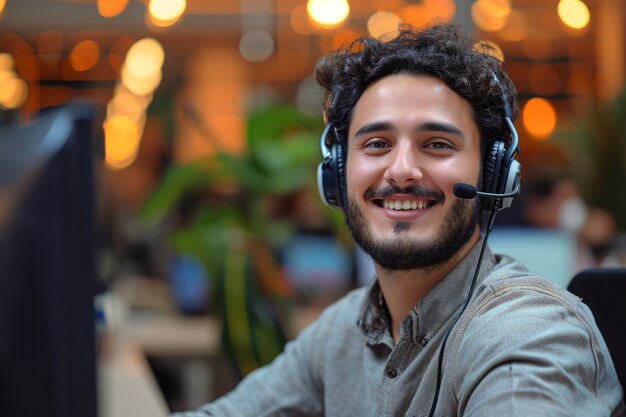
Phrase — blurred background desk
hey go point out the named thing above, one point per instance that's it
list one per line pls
(152, 358)
(127, 387)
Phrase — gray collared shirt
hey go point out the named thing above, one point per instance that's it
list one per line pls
(522, 347)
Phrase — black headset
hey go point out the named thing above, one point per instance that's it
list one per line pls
(501, 171)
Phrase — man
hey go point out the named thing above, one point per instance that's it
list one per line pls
(447, 328)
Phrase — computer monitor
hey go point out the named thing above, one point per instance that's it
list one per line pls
(47, 265)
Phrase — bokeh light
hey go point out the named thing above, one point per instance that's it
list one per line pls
(383, 25)
(539, 118)
(145, 58)
(491, 15)
(126, 102)
(84, 55)
(6, 62)
(13, 90)
(328, 13)
(256, 46)
(574, 13)
(164, 13)
(111, 8)
(140, 85)
(140, 75)
(121, 141)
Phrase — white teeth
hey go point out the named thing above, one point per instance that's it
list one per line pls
(405, 205)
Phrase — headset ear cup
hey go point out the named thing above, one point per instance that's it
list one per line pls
(491, 172)
(340, 179)
(325, 174)
(330, 173)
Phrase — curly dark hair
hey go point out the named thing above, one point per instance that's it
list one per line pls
(444, 51)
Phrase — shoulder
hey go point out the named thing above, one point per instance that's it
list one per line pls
(525, 322)
(511, 289)
(517, 299)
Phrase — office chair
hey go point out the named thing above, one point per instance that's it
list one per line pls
(604, 291)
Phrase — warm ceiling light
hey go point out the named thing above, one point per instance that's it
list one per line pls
(328, 13)
(13, 93)
(2, 4)
(126, 102)
(121, 141)
(140, 85)
(111, 8)
(574, 13)
(6, 62)
(145, 57)
(84, 55)
(166, 12)
(539, 118)
(490, 15)
(383, 25)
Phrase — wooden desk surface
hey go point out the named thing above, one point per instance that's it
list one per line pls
(126, 385)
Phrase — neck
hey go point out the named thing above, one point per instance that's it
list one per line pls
(403, 290)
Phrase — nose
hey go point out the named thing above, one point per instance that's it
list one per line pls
(404, 165)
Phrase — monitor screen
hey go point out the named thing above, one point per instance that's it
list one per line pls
(47, 265)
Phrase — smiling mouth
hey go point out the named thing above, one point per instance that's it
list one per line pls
(404, 204)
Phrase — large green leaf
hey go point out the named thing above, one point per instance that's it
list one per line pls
(178, 180)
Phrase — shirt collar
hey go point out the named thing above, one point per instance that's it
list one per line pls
(434, 310)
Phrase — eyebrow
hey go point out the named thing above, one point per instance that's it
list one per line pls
(374, 127)
(440, 127)
(423, 127)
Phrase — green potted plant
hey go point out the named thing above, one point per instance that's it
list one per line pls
(231, 230)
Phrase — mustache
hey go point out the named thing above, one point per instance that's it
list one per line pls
(414, 190)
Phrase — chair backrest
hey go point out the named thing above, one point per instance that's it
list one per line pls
(604, 291)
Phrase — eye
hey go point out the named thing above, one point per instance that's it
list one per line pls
(376, 145)
(440, 145)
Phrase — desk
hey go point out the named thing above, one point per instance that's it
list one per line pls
(127, 387)
(153, 328)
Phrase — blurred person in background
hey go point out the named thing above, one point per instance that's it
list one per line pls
(415, 126)
(554, 201)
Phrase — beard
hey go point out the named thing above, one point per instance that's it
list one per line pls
(404, 253)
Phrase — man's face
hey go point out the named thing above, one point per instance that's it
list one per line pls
(410, 140)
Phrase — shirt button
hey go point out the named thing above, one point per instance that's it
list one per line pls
(392, 373)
